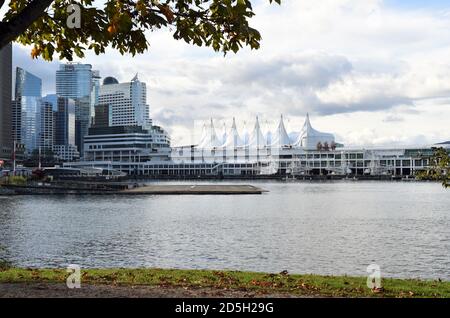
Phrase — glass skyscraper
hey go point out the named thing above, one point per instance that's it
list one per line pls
(76, 81)
(5, 101)
(65, 122)
(27, 110)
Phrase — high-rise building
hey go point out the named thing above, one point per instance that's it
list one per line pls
(103, 116)
(65, 122)
(128, 102)
(27, 110)
(82, 119)
(64, 147)
(5, 102)
(46, 126)
(76, 81)
(94, 92)
(52, 99)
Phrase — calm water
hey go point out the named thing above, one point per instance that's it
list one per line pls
(324, 228)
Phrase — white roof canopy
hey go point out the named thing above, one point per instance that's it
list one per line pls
(209, 139)
(256, 138)
(233, 138)
(309, 137)
(280, 136)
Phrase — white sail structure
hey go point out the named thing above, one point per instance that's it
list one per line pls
(268, 138)
(280, 136)
(203, 136)
(210, 139)
(256, 138)
(224, 134)
(233, 138)
(245, 134)
(309, 137)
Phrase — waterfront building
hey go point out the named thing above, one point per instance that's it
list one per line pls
(127, 144)
(258, 158)
(26, 110)
(66, 153)
(6, 142)
(128, 102)
(78, 82)
(310, 153)
(309, 138)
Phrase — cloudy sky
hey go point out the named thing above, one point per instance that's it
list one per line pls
(374, 72)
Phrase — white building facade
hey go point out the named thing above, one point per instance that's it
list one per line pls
(128, 102)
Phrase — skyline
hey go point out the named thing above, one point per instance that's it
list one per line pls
(373, 73)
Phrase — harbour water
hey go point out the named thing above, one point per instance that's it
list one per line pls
(319, 227)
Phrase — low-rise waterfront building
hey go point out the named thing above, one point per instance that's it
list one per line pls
(127, 144)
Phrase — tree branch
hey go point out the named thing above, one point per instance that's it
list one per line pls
(10, 30)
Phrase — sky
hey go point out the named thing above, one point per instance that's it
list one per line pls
(375, 73)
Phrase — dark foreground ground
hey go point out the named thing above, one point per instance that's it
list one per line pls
(53, 290)
(18, 282)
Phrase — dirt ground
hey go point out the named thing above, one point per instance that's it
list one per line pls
(52, 290)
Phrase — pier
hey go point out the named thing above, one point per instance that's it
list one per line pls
(195, 189)
(130, 189)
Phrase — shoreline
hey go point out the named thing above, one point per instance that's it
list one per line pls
(149, 282)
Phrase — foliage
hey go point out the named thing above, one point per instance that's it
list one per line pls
(17, 180)
(319, 146)
(123, 25)
(258, 283)
(439, 168)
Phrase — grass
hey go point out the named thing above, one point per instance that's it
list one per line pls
(259, 283)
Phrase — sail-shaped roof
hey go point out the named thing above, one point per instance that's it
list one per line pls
(280, 137)
(203, 136)
(210, 140)
(224, 135)
(256, 138)
(309, 137)
(245, 134)
(233, 138)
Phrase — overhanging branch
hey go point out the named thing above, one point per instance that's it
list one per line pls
(10, 30)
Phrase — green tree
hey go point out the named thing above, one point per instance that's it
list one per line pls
(439, 169)
(123, 25)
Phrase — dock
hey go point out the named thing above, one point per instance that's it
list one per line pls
(129, 189)
(194, 189)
